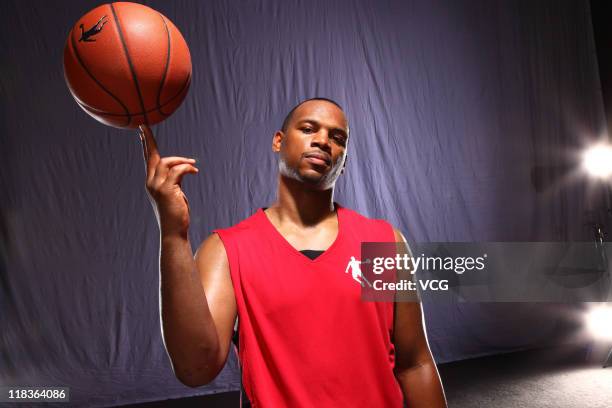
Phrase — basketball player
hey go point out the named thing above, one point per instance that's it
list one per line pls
(306, 338)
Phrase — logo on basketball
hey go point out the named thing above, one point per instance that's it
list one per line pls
(95, 30)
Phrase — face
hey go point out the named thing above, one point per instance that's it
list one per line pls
(313, 148)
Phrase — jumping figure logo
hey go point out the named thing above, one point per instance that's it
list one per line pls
(95, 30)
(353, 265)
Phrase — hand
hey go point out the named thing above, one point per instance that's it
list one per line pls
(164, 176)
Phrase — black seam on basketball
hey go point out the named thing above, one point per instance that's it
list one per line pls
(78, 57)
(163, 80)
(185, 85)
(101, 112)
(129, 60)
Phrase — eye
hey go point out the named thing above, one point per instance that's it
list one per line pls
(307, 130)
(340, 139)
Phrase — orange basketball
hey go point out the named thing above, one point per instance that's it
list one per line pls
(127, 64)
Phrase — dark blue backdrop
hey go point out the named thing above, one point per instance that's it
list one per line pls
(452, 104)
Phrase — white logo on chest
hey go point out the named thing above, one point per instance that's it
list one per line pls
(353, 265)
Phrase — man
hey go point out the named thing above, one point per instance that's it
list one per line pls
(306, 337)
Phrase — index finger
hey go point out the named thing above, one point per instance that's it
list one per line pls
(150, 145)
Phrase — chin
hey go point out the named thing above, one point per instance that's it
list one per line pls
(311, 178)
(318, 182)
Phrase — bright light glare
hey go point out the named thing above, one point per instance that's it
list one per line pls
(597, 160)
(599, 321)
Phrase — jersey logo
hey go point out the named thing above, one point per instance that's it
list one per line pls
(85, 35)
(353, 265)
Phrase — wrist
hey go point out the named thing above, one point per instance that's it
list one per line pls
(169, 227)
(174, 234)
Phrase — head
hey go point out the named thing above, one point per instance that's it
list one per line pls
(312, 143)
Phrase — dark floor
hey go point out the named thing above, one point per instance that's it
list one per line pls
(221, 400)
(562, 377)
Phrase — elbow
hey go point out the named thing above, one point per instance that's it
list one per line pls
(194, 376)
(402, 370)
(197, 365)
(192, 381)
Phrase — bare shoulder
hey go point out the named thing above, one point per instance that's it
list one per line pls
(399, 237)
(211, 250)
(214, 274)
(213, 269)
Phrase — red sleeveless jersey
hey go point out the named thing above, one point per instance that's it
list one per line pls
(306, 339)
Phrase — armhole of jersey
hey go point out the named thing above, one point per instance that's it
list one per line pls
(230, 253)
(232, 260)
(390, 238)
(391, 233)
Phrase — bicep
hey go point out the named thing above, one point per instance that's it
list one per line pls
(408, 325)
(214, 274)
(409, 339)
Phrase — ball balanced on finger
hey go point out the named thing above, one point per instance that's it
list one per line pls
(126, 65)
(159, 168)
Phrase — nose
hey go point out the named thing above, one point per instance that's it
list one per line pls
(321, 140)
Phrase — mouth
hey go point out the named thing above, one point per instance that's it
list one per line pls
(318, 158)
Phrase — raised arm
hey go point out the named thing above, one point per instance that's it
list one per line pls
(415, 369)
(198, 307)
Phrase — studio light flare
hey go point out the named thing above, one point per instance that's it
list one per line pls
(599, 321)
(597, 160)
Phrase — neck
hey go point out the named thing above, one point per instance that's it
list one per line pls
(299, 205)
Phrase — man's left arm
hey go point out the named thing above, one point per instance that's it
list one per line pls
(415, 369)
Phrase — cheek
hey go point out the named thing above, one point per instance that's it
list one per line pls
(295, 146)
(291, 152)
(339, 155)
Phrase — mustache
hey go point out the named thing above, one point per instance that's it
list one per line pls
(319, 155)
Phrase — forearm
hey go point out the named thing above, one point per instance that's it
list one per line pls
(189, 331)
(421, 386)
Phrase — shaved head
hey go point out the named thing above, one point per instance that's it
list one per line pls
(292, 111)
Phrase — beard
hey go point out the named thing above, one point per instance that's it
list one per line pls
(316, 181)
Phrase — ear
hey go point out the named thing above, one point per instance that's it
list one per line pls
(277, 141)
(344, 165)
